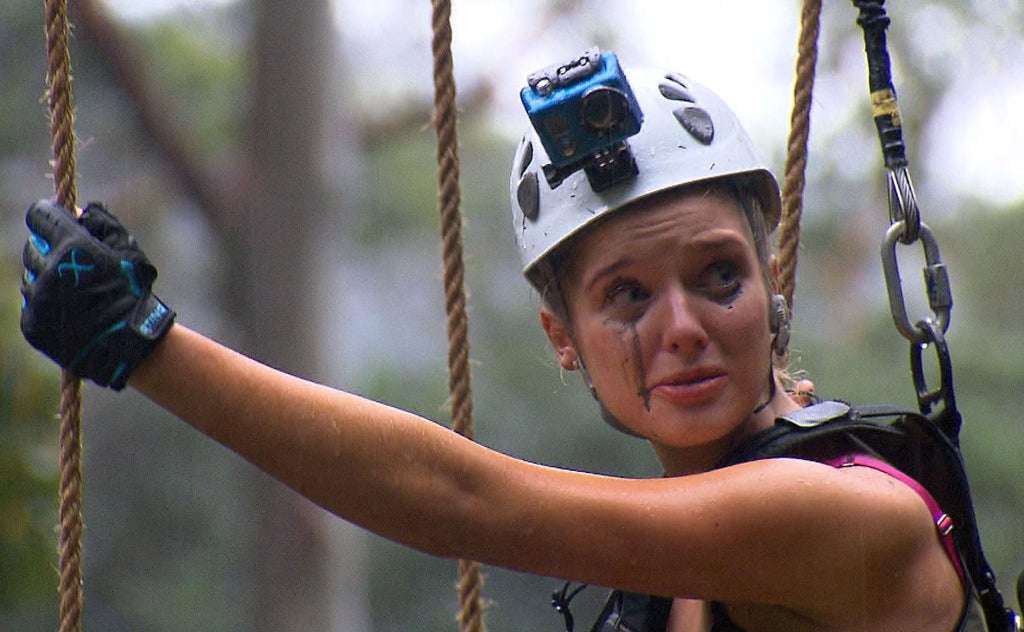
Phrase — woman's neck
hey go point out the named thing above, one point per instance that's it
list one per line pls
(678, 461)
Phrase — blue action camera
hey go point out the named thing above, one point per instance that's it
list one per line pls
(583, 111)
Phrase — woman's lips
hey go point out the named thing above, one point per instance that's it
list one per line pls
(691, 388)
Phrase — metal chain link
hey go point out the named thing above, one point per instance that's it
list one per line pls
(906, 226)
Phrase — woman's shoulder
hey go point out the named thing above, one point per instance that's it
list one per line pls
(831, 543)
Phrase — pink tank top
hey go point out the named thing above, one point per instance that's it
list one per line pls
(943, 523)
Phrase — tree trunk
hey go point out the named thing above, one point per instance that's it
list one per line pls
(275, 293)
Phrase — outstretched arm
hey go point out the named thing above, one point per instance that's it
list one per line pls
(794, 534)
(765, 532)
(390, 471)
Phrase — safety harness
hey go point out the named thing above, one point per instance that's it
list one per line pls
(838, 433)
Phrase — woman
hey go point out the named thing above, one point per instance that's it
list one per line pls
(658, 290)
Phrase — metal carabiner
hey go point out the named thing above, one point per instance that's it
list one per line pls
(936, 279)
(926, 397)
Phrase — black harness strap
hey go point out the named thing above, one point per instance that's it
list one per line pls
(912, 443)
(909, 441)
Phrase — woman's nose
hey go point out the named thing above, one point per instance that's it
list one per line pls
(682, 330)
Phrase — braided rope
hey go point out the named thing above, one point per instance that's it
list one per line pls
(796, 157)
(470, 604)
(58, 82)
(70, 588)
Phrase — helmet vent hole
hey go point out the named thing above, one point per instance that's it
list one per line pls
(528, 195)
(697, 122)
(675, 90)
(523, 157)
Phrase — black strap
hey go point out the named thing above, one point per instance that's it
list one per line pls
(874, 22)
(633, 612)
(909, 441)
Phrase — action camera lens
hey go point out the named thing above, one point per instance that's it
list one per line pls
(603, 110)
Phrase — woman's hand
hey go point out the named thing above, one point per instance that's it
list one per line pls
(87, 286)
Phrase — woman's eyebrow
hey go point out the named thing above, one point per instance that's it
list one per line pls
(719, 239)
(606, 271)
(712, 241)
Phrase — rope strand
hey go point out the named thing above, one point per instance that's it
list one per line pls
(796, 156)
(59, 97)
(70, 544)
(469, 587)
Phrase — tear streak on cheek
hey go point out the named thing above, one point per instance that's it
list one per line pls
(638, 363)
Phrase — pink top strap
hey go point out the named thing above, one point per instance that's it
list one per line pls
(943, 522)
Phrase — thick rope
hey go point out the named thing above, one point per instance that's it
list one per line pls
(470, 604)
(796, 157)
(58, 82)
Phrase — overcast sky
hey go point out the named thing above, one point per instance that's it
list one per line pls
(749, 61)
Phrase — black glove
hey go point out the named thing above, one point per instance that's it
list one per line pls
(88, 300)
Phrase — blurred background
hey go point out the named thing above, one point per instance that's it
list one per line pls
(276, 161)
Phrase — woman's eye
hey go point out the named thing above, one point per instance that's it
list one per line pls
(626, 294)
(722, 279)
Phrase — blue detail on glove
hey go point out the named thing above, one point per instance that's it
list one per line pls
(128, 270)
(152, 323)
(88, 302)
(94, 345)
(74, 267)
(40, 244)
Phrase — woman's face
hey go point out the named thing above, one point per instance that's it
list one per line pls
(667, 309)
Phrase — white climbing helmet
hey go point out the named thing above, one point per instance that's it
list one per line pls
(688, 135)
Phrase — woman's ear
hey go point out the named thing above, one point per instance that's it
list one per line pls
(560, 337)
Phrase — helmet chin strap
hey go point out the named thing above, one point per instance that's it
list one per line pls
(771, 386)
(606, 414)
(778, 324)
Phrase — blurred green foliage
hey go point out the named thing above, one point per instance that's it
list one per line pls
(28, 460)
(198, 57)
(168, 520)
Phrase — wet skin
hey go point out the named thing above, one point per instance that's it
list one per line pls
(667, 308)
(667, 305)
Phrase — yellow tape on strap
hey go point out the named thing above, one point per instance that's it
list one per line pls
(883, 103)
